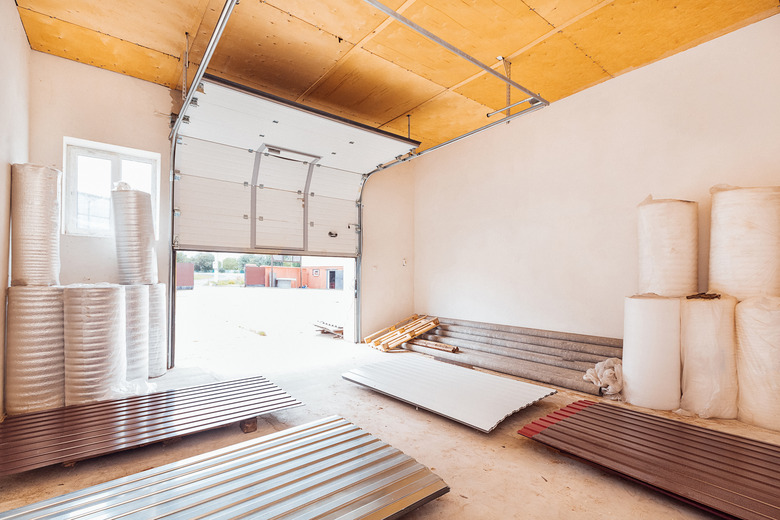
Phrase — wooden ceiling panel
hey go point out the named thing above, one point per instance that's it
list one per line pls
(484, 29)
(370, 90)
(351, 20)
(265, 48)
(629, 33)
(150, 23)
(558, 13)
(554, 69)
(76, 43)
(444, 117)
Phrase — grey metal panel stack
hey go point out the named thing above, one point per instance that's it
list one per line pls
(473, 398)
(325, 469)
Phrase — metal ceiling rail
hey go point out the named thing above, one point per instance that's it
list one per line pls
(718, 472)
(424, 32)
(324, 469)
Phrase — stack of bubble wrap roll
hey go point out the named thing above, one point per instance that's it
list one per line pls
(35, 355)
(35, 225)
(95, 356)
(745, 242)
(709, 363)
(758, 361)
(158, 354)
(137, 331)
(651, 352)
(134, 235)
(668, 247)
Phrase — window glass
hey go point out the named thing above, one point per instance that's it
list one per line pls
(137, 174)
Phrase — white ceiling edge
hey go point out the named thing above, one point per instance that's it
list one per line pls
(233, 117)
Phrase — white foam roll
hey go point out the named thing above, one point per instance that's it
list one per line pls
(35, 350)
(95, 359)
(745, 241)
(709, 357)
(137, 331)
(158, 337)
(758, 361)
(134, 235)
(668, 247)
(35, 225)
(651, 352)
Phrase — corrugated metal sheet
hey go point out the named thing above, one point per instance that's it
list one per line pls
(473, 398)
(716, 471)
(325, 469)
(79, 432)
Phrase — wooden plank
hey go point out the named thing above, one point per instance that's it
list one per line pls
(422, 329)
(370, 337)
(433, 344)
(399, 331)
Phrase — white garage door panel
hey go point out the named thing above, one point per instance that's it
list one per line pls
(331, 215)
(282, 174)
(211, 214)
(281, 226)
(328, 182)
(214, 161)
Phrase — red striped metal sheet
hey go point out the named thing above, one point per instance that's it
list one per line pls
(719, 472)
(79, 432)
(326, 469)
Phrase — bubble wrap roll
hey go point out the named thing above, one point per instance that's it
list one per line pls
(651, 352)
(137, 331)
(35, 350)
(35, 225)
(95, 359)
(158, 337)
(668, 247)
(134, 235)
(758, 361)
(745, 242)
(709, 357)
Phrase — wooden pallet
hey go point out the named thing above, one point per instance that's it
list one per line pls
(329, 328)
(393, 337)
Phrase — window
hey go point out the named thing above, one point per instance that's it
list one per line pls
(91, 172)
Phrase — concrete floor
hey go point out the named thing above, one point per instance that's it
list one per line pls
(500, 475)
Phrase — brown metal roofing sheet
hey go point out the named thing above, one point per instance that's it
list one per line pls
(78, 432)
(325, 469)
(717, 471)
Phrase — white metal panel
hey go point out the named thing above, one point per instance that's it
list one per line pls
(329, 216)
(473, 398)
(195, 157)
(229, 116)
(329, 182)
(282, 174)
(279, 219)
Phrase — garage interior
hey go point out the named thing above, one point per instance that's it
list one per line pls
(489, 165)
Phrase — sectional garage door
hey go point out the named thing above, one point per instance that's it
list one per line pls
(255, 174)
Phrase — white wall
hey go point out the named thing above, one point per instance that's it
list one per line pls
(388, 242)
(76, 100)
(534, 223)
(14, 135)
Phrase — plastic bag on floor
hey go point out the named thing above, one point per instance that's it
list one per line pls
(607, 375)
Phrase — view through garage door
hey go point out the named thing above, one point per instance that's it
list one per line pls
(256, 175)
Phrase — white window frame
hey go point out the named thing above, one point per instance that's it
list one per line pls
(72, 149)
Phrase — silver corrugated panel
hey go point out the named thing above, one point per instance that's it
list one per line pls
(325, 469)
(473, 398)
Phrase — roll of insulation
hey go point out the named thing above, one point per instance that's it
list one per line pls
(651, 352)
(95, 358)
(709, 357)
(35, 225)
(35, 350)
(137, 331)
(158, 338)
(134, 234)
(745, 241)
(668, 247)
(758, 361)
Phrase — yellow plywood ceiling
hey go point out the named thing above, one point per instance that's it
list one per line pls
(349, 58)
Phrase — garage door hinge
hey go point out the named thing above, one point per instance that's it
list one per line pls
(246, 184)
(260, 186)
(176, 177)
(246, 217)
(260, 218)
(185, 120)
(176, 212)
(311, 224)
(194, 102)
(175, 241)
(178, 139)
